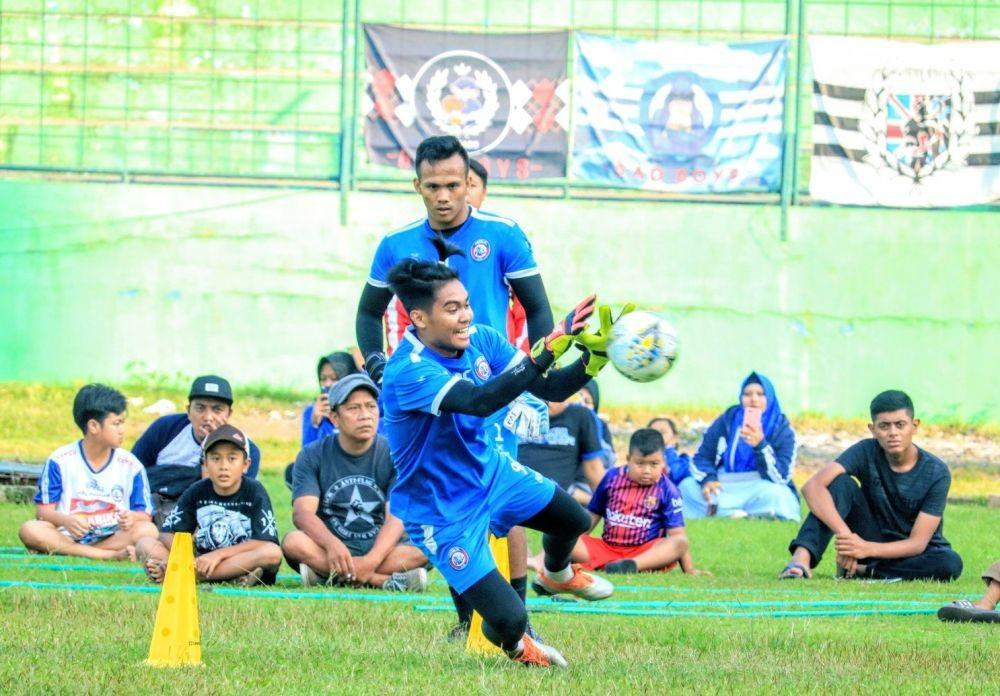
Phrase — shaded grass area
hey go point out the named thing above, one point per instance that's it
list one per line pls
(55, 640)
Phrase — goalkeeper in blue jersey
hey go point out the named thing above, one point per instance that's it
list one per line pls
(453, 483)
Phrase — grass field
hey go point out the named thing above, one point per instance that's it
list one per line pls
(713, 635)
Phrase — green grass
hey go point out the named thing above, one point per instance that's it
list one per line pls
(57, 641)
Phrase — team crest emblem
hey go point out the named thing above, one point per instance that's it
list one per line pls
(117, 493)
(916, 122)
(483, 370)
(458, 557)
(466, 95)
(680, 116)
(480, 250)
(650, 501)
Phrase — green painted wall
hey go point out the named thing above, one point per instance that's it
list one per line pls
(256, 283)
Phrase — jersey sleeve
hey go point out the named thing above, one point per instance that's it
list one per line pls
(937, 496)
(518, 257)
(183, 517)
(672, 511)
(500, 353)
(155, 438)
(254, 460)
(305, 474)
(599, 500)
(49, 484)
(422, 385)
(854, 459)
(140, 500)
(263, 526)
(382, 262)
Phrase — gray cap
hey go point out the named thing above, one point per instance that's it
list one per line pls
(340, 391)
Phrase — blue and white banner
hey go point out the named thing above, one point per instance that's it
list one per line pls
(679, 116)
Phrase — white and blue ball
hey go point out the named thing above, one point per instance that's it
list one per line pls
(643, 346)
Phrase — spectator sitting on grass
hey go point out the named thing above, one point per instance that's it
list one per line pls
(230, 516)
(641, 509)
(93, 499)
(171, 447)
(983, 611)
(340, 502)
(569, 453)
(316, 423)
(678, 464)
(744, 464)
(890, 527)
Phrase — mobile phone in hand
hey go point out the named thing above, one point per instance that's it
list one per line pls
(751, 417)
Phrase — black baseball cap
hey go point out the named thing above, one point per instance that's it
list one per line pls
(340, 391)
(211, 387)
(226, 433)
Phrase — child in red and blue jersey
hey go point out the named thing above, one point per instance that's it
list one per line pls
(642, 512)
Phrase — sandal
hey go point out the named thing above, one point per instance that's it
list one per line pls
(965, 611)
(788, 574)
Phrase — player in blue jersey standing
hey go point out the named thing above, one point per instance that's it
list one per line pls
(494, 257)
(453, 483)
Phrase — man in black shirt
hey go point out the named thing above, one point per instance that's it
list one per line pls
(569, 453)
(890, 526)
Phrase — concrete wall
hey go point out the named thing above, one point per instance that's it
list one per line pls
(256, 283)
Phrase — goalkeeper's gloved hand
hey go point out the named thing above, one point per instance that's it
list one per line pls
(375, 366)
(527, 417)
(549, 349)
(595, 344)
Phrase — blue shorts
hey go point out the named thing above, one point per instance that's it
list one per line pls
(461, 551)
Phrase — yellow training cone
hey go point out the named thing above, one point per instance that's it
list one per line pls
(477, 642)
(176, 637)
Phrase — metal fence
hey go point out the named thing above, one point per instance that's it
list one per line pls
(268, 89)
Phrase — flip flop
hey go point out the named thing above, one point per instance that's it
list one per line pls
(787, 574)
(965, 611)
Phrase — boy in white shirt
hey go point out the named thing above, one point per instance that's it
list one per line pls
(93, 497)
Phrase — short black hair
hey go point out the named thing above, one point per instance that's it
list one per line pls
(97, 402)
(416, 282)
(646, 441)
(437, 148)
(479, 171)
(668, 421)
(891, 400)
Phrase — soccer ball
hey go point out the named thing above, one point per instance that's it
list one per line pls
(643, 346)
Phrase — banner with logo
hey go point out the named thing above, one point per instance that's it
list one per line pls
(903, 124)
(505, 96)
(679, 116)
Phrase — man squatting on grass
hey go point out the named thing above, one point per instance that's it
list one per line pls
(93, 499)
(453, 483)
(890, 526)
(494, 261)
(230, 516)
(340, 501)
(171, 447)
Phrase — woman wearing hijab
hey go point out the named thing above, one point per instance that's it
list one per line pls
(744, 464)
(316, 417)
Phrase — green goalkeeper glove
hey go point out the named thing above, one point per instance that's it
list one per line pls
(549, 349)
(595, 344)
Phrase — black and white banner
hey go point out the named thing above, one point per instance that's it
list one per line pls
(904, 124)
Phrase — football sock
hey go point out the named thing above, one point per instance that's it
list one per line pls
(564, 575)
(520, 586)
(463, 608)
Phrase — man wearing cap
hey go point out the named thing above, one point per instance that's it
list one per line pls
(340, 499)
(171, 447)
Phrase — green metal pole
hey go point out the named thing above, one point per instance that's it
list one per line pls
(345, 115)
(793, 33)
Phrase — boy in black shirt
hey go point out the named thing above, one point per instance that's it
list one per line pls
(230, 515)
(569, 453)
(889, 527)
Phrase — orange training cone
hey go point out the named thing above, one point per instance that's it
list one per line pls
(176, 638)
(477, 642)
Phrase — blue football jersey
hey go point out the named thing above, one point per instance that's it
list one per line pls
(496, 251)
(445, 462)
